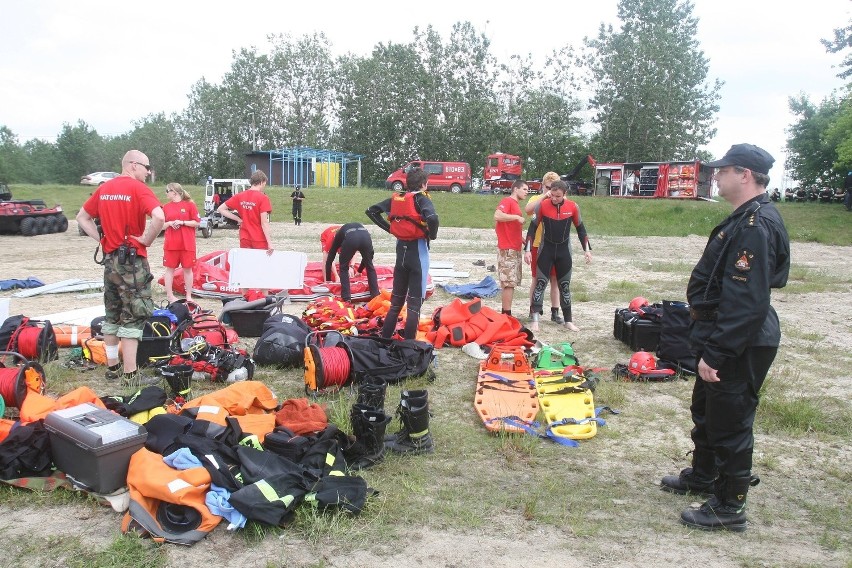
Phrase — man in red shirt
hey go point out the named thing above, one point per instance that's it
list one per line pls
(122, 205)
(509, 227)
(252, 208)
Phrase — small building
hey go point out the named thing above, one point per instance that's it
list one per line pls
(304, 166)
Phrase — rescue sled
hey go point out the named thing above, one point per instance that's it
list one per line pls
(568, 407)
(210, 280)
(505, 398)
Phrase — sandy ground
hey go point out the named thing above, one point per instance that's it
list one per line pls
(623, 267)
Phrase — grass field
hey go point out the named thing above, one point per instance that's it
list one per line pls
(808, 222)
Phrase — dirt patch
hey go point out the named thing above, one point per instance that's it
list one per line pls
(636, 525)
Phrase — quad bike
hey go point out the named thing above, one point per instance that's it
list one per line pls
(29, 218)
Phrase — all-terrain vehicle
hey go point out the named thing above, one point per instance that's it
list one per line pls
(29, 218)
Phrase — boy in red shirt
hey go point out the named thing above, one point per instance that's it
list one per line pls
(509, 228)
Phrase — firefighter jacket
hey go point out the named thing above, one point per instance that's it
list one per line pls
(729, 289)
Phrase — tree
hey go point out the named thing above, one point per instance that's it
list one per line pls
(650, 97)
(811, 154)
(842, 40)
(77, 149)
(11, 157)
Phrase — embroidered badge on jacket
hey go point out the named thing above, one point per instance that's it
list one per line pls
(744, 258)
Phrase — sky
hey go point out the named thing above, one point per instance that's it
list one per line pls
(109, 63)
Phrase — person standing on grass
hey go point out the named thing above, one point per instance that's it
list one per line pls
(297, 196)
(556, 215)
(350, 239)
(252, 208)
(735, 335)
(509, 225)
(179, 243)
(123, 204)
(531, 257)
(412, 219)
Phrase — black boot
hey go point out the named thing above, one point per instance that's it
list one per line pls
(371, 392)
(407, 398)
(725, 509)
(414, 437)
(696, 479)
(179, 379)
(368, 426)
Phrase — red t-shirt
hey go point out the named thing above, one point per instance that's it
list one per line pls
(123, 205)
(509, 233)
(182, 238)
(327, 236)
(250, 205)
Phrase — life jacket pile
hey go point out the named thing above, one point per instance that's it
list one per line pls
(459, 323)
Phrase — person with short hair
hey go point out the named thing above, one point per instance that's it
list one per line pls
(123, 205)
(182, 219)
(556, 215)
(531, 256)
(412, 219)
(734, 334)
(509, 225)
(253, 208)
(297, 196)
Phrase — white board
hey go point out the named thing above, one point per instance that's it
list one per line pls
(252, 268)
(80, 316)
(440, 264)
(450, 273)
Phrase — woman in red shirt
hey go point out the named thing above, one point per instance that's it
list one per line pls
(179, 245)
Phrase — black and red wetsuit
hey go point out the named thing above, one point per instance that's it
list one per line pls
(554, 251)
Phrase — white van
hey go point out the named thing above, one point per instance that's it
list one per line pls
(217, 191)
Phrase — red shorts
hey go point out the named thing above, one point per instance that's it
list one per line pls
(534, 251)
(175, 258)
(250, 244)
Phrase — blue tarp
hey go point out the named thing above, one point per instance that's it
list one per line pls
(16, 283)
(485, 289)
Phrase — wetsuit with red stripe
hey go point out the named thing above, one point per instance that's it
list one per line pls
(554, 251)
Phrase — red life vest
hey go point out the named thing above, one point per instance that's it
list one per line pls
(406, 223)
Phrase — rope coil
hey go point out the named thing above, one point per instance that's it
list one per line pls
(17, 382)
(326, 367)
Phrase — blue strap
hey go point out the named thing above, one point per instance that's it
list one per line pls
(530, 427)
(506, 380)
(551, 435)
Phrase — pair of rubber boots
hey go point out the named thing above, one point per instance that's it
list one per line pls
(369, 422)
(725, 508)
(414, 436)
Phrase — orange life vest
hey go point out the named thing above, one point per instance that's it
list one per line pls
(405, 221)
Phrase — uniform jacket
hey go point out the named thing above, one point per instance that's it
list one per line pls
(746, 255)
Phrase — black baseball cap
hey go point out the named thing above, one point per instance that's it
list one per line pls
(745, 156)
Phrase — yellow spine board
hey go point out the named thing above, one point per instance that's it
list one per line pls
(559, 402)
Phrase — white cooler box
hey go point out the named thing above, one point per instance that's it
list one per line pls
(94, 445)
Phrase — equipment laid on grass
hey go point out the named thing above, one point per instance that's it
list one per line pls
(328, 362)
(17, 381)
(568, 405)
(505, 397)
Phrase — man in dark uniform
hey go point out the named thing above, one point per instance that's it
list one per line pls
(735, 334)
(122, 205)
(349, 239)
(411, 218)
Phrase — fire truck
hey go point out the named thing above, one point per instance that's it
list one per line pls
(688, 179)
(501, 170)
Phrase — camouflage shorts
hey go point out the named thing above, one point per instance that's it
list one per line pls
(509, 267)
(127, 296)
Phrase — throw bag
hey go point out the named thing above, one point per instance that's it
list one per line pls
(389, 359)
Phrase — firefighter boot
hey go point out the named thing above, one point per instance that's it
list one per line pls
(368, 426)
(371, 392)
(724, 510)
(407, 398)
(696, 479)
(414, 415)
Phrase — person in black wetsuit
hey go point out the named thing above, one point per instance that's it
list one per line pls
(412, 219)
(349, 239)
(556, 215)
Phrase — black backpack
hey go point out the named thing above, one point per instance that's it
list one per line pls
(673, 348)
(282, 342)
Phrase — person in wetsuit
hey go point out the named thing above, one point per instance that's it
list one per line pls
(412, 219)
(556, 215)
(349, 239)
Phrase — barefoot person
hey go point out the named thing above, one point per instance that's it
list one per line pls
(556, 215)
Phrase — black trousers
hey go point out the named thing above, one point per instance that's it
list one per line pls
(297, 210)
(723, 413)
(360, 242)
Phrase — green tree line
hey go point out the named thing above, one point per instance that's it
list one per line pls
(449, 99)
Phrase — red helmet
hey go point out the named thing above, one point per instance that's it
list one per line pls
(637, 303)
(642, 362)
